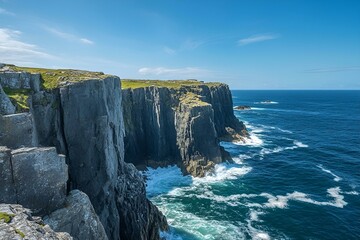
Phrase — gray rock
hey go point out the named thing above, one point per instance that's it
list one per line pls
(78, 218)
(33, 177)
(93, 129)
(197, 137)
(17, 130)
(6, 107)
(7, 186)
(161, 128)
(17, 222)
(20, 80)
(139, 218)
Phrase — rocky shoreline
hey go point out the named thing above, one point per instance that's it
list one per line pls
(67, 152)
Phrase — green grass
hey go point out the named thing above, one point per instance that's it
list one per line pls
(192, 99)
(19, 232)
(51, 78)
(6, 217)
(131, 83)
(18, 97)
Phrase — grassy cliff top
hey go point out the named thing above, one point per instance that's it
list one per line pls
(132, 83)
(53, 77)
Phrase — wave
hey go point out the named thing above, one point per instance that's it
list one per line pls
(267, 102)
(252, 140)
(223, 171)
(336, 178)
(164, 179)
(297, 144)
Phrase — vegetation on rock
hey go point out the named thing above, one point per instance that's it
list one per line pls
(19, 98)
(175, 84)
(6, 217)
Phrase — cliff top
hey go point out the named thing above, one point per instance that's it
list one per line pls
(133, 83)
(51, 78)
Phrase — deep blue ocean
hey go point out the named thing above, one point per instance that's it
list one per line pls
(297, 177)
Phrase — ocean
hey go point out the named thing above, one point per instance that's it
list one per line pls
(297, 177)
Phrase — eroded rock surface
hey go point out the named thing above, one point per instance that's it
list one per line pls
(17, 223)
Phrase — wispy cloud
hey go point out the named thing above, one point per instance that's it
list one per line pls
(188, 44)
(333, 69)
(69, 36)
(6, 12)
(13, 50)
(187, 72)
(257, 38)
(169, 50)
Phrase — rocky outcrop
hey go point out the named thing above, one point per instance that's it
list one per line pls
(19, 80)
(147, 220)
(33, 177)
(6, 107)
(78, 218)
(17, 223)
(179, 126)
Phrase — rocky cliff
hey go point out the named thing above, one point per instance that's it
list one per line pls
(63, 130)
(178, 122)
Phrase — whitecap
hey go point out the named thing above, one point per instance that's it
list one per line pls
(300, 144)
(223, 171)
(266, 102)
(253, 140)
(163, 179)
(336, 177)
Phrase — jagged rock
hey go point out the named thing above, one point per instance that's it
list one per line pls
(17, 130)
(139, 218)
(197, 137)
(93, 129)
(7, 186)
(17, 222)
(47, 114)
(33, 177)
(6, 107)
(20, 80)
(78, 218)
(158, 128)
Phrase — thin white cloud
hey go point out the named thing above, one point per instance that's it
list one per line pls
(333, 69)
(6, 12)
(256, 39)
(13, 50)
(187, 72)
(169, 51)
(190, 44)
(69, 36)
(86, 41)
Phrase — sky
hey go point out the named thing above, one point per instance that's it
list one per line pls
(248, 44)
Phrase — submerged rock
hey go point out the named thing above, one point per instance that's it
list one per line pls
(242, 107)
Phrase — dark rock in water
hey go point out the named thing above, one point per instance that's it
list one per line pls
(78, 218)
(242, 108)
(33, 177)
(17, 222)
(138, 216)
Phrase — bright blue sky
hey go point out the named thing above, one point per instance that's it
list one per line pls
(250, 44)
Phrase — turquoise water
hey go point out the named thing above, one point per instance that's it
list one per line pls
(298, 177)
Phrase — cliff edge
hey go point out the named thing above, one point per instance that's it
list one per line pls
(178, 122)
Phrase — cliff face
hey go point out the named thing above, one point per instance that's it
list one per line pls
(83, 120)
(179, 125)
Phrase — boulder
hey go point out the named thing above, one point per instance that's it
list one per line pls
(78, 218)
(20, 80)
(33, 177)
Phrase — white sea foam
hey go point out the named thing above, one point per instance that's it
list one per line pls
(281, 201)
(252, 140)
(223, 172)
(336, 178)
(162, 180)
(352, 193)
(266, 102)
